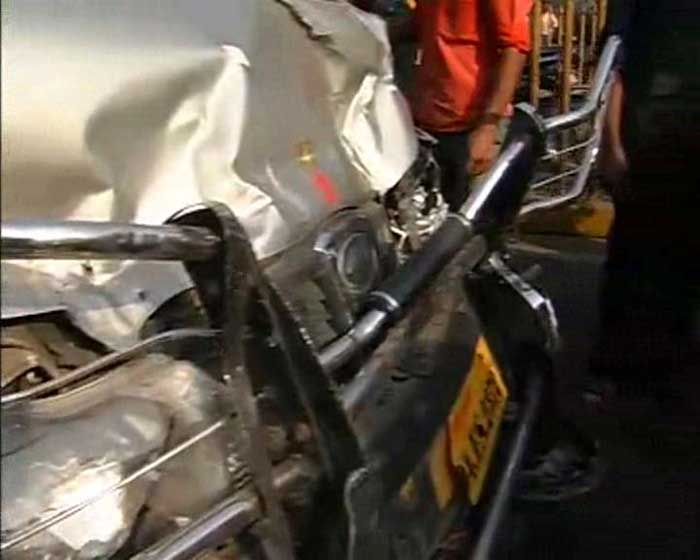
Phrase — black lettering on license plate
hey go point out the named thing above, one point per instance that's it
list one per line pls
(484, 425)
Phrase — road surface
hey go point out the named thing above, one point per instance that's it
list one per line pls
(648, 507)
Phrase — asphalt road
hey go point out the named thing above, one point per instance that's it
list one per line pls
(648, 506)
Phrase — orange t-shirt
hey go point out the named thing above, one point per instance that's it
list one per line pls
(460, 41)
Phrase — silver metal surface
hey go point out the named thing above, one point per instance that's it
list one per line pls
(553, 154)
(594, 107)
(335, 238)
(28, 292)
(519, 445)
(108, 302)
(461, 218)
(371, 324)
(555, 178)
(596, 93)
(137, 112)
(104, 362)
(228, 518)
(63, 452)
(419, 207)
(361, 496)
(338, 352)
(223, 522)
(391, 303)
(540, 305)
(582, 172)
(58, 516)
(476, 201)
(357, 390)
(104, 240)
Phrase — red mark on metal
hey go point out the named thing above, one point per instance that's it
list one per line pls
(326, 186)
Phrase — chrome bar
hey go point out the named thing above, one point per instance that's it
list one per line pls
(554, 178)
(104, 240)
(230, 517)
(474, 206)
(488, 536)
(106, 361)
(227, 519)
(374, 322)
(60, 515)
(582, 174)
(341, 350)
(596, 99)
(595, 96)
(553, 154)
(481, 207)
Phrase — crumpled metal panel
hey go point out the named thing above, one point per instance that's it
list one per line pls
(61, 450)
(369, 111)
(107, 302)
(283, 110)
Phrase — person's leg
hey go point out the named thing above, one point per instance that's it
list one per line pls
(563, 461)
(649, 301)
(451, 154)
(635, 305)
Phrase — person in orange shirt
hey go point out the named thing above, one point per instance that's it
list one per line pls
(472, 54)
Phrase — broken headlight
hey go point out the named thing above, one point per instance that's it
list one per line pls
(355, 252)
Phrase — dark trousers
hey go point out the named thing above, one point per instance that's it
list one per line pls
(452, 155)
(650, 297)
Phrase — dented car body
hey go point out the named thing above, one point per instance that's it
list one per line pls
(284, 111)
(210, 341)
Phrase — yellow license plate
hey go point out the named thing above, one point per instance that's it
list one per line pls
(476, 418)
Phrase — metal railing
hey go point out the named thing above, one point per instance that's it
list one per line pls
(595, 95)
(592, 110)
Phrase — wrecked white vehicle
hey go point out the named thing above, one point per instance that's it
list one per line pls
(208, 346)
(285, 112)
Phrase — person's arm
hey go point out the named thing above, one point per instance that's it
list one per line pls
(506, 79)
(512, 31)
(613, 160)
(613, 163)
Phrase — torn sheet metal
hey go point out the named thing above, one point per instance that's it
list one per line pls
(109, 303)
(63, 450)
(370, 112)
(131, 112)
